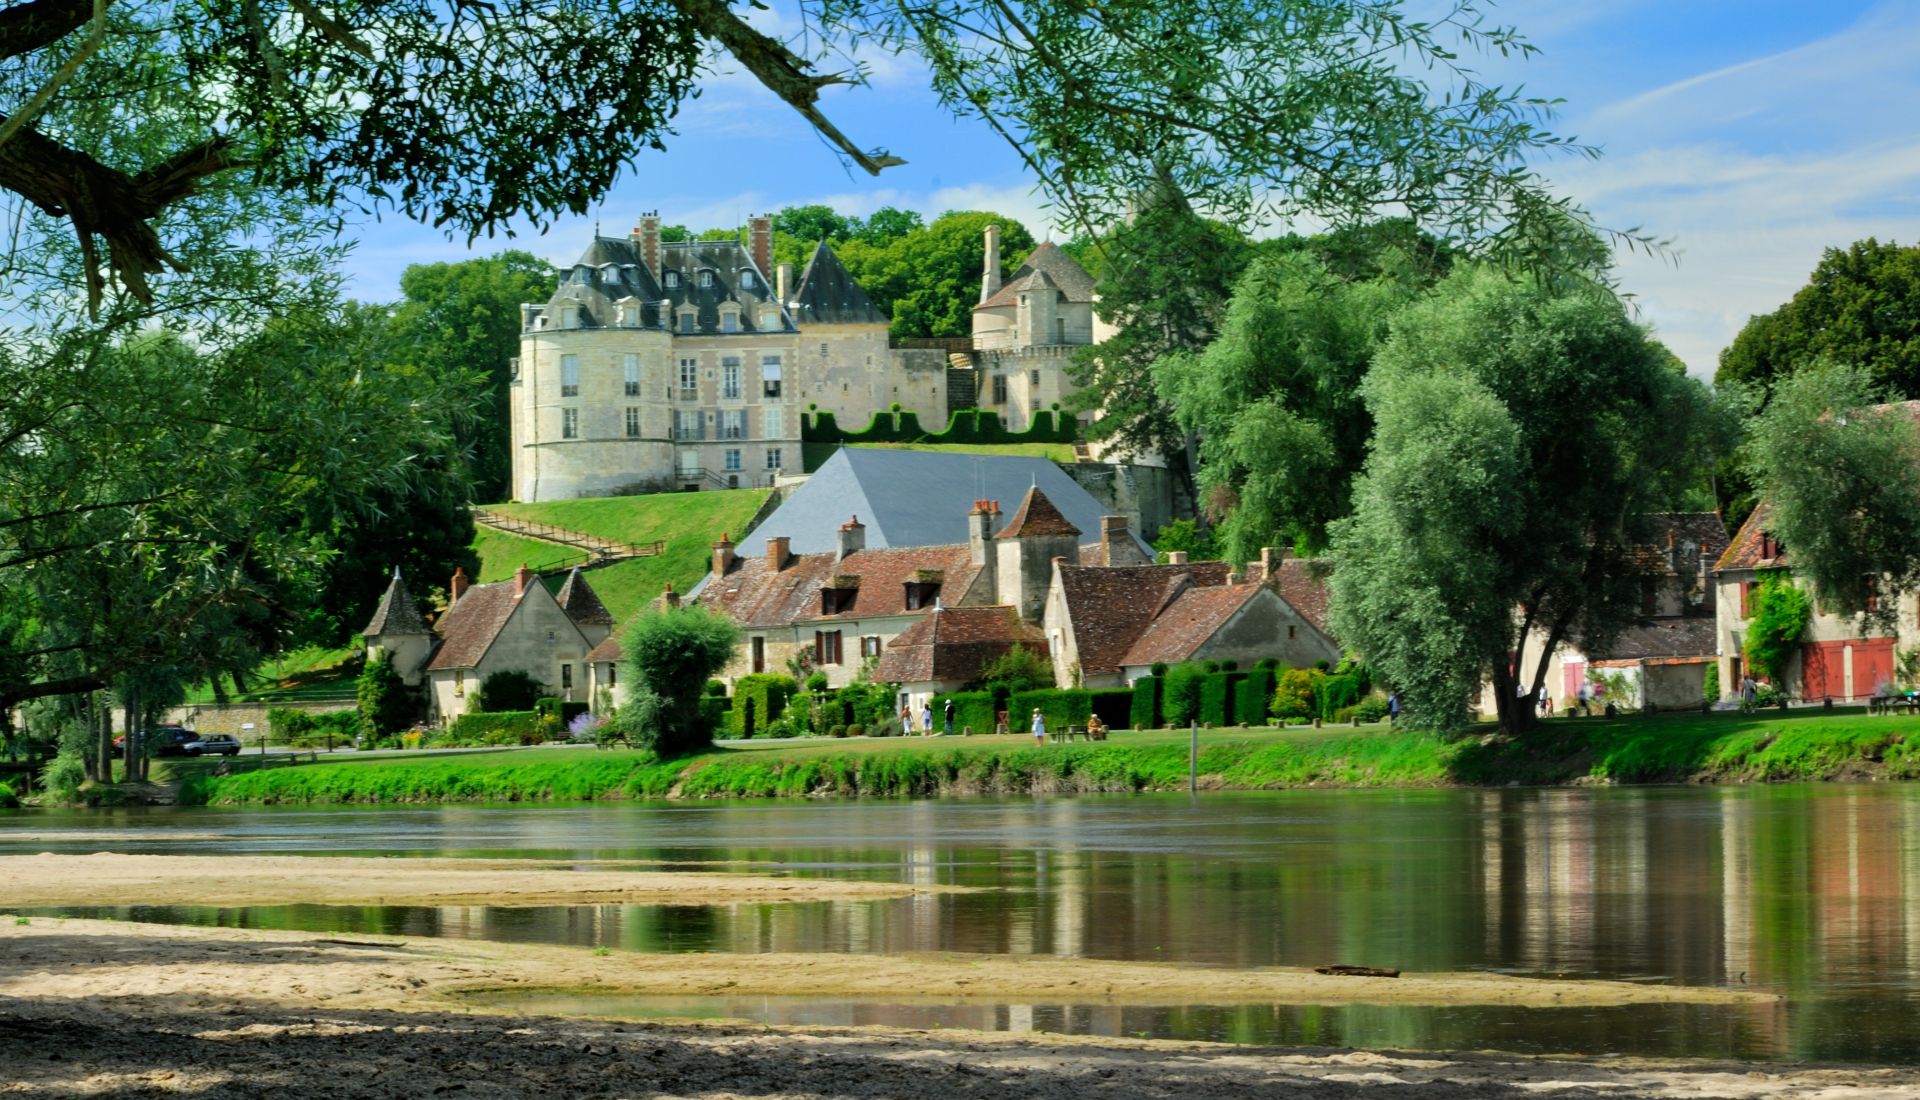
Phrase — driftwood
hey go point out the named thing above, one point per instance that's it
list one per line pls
(1358, 971)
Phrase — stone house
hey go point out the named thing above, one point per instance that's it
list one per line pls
(949, 647)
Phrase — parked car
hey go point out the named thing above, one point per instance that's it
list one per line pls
(213, 744)
(168, 741)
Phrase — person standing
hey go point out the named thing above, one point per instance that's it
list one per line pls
(1749, 692)
(947, 713)
(1039, 727)
(926, 719)
(906, 718)
(1393, 709)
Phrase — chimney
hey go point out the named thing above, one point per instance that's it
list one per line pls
(990, 265)
(777, 553)
(520, 578)
(1234, 576)
(1176, 557)
(1113, 535)
(722, 555)
(670, 598)
(646, 237)
(760, 241)
(980, 532)
(784, 288)
(853, 537)
(457, 587)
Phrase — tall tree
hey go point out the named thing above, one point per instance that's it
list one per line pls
(929, 278)
(1860, 306)
(1523, 432)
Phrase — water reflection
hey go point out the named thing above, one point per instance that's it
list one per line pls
(1811, 890)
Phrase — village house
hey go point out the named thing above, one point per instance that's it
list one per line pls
(950, 647)
(512, 625)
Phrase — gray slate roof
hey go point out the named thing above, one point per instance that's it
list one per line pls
(828, 294)
(917, 498)
(1048, 266)
(397, 613)
(610, 270)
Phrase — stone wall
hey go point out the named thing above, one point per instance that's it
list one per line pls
(231, 717)
(1147, 495)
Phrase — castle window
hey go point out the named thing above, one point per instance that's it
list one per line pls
(772, 423)
(569, 376)
(1034, 377)
(823, 351)
(733, 423)
(732, 458)
(689, 379)
(633, 422)
(770, 375)
(569, 423)
(706, 278)
(999, 389)
(773, 458)
(730, 378)
(673, 278)
(729, 321)
(632, 367)
(746, 280)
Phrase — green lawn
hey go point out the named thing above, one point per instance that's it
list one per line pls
(310, 674)
(500, 554)
(1058, 452)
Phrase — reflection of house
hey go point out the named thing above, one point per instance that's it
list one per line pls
(1663, 656)
(512, 625)
(1843, 658)
(1108, 626)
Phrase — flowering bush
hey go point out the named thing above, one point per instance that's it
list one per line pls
(585, 727)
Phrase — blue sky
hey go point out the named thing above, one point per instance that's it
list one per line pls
(1752, 134)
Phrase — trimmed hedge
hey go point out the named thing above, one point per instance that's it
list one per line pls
(286, 726)
(1145, 713)
(1180, 697)
(820, 433)
(1252, 695)
(1113, 705)
(713, 713)
(1217, 698)
(768, 693)
(1063, 707)
(567, 712)
(498, 727)
(970, 709)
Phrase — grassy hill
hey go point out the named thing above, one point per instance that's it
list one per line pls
(1058, 452)
(688, 523)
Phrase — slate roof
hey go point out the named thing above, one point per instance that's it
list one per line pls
(1048, 265)
(757, 597)
(1680, 540)
(955, 643)
(396, 612)
(577, 598)
(829, 295)
(915, 498)
(468, 628)
(610, 271)
(1745, 549)
(1693, 636)
(1037, 518)
(1195, 615)
(1111, 607)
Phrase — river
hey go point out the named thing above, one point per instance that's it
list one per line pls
(1813, 891)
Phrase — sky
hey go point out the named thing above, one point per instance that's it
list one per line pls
(1749, 134)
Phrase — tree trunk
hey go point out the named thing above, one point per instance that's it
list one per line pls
(100, 715)
(131, 755)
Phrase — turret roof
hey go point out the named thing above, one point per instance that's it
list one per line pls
(828, 294)
(1038, 518)
(396, 613)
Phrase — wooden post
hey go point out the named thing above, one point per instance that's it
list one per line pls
(1193, 756)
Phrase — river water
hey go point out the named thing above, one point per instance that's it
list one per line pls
(1812, 891)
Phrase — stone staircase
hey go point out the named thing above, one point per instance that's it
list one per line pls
(600, 552)
(963, 387)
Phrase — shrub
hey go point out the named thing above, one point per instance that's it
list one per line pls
(971, 710)
(500, 727)
(1781, 611)
(1335, 693)
(1019, 669)
(1114, 706)
(63, 776)
(384, 700)
(1180, 697)
(716, 687)
(836, 730)
(1145, 713)
(673, 652)
(585, 727)
(1216, 698)
(1293, 694)
(713, 711)
(1062, 707)
(299, 729)
(507, 690)
(762, 695)
(856, 730)
(1158, 668)
(1268, 663)
(1710, 683)
(816, 683)
(1371, 709)
(1252, 695)
(9, 799)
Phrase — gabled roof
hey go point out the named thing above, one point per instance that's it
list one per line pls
(828, 294)
(611, 271)
(1055, 268)
(577, 598)
(1745, 549)
(1111, 607)
(396, 613)
(955, 643)
(1183, 626)
(1037, 518)
(607, 652)
(1679, 540)
(758, 597)
(1657, 638)
(468, 628)
(1302, 582)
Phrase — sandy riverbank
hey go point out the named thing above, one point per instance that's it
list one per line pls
(107, 878)
(103, 1008)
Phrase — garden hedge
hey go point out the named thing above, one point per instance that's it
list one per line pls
(498, 727)
(970, 709)
(1114, 706)
(1063, 707)
(820, 433)
(765, 694)
(1216, 698)
(1180, 697)
(1252, 695)
(287, 726)
(1145, 714)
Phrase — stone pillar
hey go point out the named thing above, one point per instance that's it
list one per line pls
(990, 264)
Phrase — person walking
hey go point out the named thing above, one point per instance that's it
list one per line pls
(1393, 710)
(1039, 727)
(1749, 693)
(947, 713)
(926, 719)
(906, 718)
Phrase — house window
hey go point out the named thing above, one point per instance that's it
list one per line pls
(758, 648)
(835, 600)
(773, 423)
(999, 389)
(733, 458)
(706, 278)
(459, 682)
(673, 278)
(569, 423)
(689, 424)
(922, 594)
(689, 379)
(686, 322)
(569, 376)
(1290, 631)
(770, 375)
(566, 677)
(733, 423)
(632, 366)
(870, 646)
(689, 463)
(730, 378)
(633, 422)
(729, 321)
(826, 647)
(773, 458)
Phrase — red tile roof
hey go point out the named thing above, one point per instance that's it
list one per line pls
(758, 597)
(468, 628)
(1194, 616)
(1302, 582)
(606, 652)
(1111, 607)
(955, 643)
(1744, 552)
(1038, 518)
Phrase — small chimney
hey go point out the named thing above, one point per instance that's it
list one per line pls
(1234, 576)
(980, 531)
(990, 264)
(760, 241)
(777, 553)
(457, 587)
(722, 555)
(784, 288)
(646, 237)
(1176, 557)
(520, 578)
(853, 538)
(670, 598)
(1113, 534)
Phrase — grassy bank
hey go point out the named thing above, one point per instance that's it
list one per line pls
(1719, 748)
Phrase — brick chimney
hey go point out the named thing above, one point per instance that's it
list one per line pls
(784, 287)
(760, 241)
(853, 538)
(777, 553)
(520, 578)
(646, 237)
(990, 264)
(1176, 557)
(722, 555)
(670, 598)
(1113, 536)
(457, 587)
(1270, 559)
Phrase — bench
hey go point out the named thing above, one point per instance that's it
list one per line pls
(1068, 734)
(1888, 704)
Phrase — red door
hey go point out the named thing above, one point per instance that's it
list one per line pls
(1822, 675)
(1872, 666)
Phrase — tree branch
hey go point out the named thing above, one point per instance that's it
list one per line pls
(25, 28)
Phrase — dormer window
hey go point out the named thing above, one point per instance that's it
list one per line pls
(838, 595)
(730, 320)
(687, 322)
(746, 280)
(673, 279)
(922, 594)
(706, 278)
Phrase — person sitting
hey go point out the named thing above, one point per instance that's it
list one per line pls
(1096, 729)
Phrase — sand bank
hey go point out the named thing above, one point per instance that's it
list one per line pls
(107, 878)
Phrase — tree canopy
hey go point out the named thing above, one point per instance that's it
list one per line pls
(1860, 306)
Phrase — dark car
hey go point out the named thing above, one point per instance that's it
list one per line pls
(213, 744)
(168, 741)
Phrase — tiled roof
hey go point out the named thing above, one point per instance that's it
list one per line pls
(1055, 268)
(955, 643)
(1037, 518)
(1745, 549)
(1110, 608)
(1693, 636)
(829, 295)
(1679, 540)
(577, 599)
(1195, 615)
(607, 651)
(468, 628)
(757, 597)
(1302, 582)
(396, 613)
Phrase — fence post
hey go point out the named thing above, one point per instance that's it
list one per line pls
(1193, 756)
